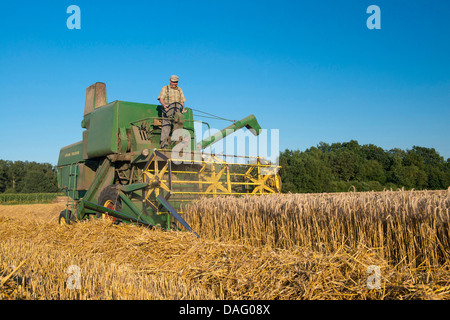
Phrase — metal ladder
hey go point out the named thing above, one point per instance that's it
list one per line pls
(72, 181)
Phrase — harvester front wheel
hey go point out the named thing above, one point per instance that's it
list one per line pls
(109, 198)
(64, 217)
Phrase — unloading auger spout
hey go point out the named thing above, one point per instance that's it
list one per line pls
(249, 122)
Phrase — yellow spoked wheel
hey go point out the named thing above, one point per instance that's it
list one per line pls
(110, 205)
(109, 198)
(158, 177)
(64, 217)
(274, 182)
(265, 179)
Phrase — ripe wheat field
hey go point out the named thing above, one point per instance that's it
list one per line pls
(370, 245)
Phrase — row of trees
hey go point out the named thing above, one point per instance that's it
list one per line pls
(27, 177)
(345, 166)
(324, 168)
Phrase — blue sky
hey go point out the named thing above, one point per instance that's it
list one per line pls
(311, 69)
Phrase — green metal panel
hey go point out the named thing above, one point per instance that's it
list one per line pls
(132, 112)
(101, 133)
(71, 154)
(110, 126)
(67, 169)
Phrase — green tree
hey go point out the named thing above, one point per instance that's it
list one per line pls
(372, 170)
(3, 175)
(305, 171)
(318, 176)
(339, 166)
(36, 181)
(16, 172)
(372, 152)
(345, 164)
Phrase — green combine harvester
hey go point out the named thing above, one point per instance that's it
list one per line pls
(117, 171)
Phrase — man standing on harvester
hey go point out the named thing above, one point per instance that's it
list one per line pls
(172, 100)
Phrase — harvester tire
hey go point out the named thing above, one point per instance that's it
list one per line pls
(109, 198)
(64, 217)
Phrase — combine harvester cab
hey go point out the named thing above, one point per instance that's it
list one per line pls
(117, 169)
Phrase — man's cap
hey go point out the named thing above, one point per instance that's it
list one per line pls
(174, 78)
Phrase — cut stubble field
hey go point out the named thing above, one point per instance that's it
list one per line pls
(371, 245)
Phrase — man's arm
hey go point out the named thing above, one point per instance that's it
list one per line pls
(183, 99)
(161, 100)
(163, 104)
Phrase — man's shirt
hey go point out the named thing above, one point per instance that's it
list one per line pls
(170, 95)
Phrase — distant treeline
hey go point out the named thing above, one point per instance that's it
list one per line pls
(27, 177)
(325, 168)
(346, 166)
